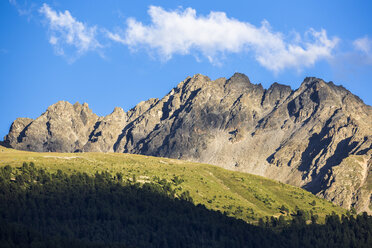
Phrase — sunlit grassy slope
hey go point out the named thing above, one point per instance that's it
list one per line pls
(241, 195)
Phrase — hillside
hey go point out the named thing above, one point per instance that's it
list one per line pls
(40, 208)
(317, 137)
(239, 195)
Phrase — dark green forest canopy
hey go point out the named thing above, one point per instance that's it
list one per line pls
(42, 209)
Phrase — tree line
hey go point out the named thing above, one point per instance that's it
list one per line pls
(43, 209)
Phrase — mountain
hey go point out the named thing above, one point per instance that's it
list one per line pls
(317, 137)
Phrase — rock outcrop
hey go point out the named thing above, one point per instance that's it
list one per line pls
(318, 137)
(62, 128)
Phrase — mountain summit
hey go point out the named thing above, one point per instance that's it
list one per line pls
(318, 137)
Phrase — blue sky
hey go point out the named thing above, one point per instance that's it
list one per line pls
(118, 53)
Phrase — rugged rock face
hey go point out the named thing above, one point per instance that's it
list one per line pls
(62, 128)
(318, 137)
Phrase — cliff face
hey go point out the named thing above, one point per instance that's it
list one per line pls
(63, 128)
(317, 137)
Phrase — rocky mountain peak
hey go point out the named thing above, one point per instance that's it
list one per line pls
(193, 83)
(61, 106)
(312, 80)
(317, 137)
(118, 111)
(278, 86)
(239, 81)
(276, 94)
(240, 77)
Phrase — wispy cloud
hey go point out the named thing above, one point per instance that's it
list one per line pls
(364, 47)
(67, 33)
(24, 7)
(363, 44)
(183, 32)
(353, 61)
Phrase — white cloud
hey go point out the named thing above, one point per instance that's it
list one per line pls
(66, 33)
(364, 51)
(115, 37)
(363, 44)
(183, 32)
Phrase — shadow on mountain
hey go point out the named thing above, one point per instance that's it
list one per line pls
(318, 142)
(39, 209)
(5, 144)
(344, 147)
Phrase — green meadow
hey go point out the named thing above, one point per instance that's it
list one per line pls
(240, 195)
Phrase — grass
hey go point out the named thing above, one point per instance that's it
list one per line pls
(241, 195)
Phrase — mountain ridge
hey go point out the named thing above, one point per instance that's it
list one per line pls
(317, 137)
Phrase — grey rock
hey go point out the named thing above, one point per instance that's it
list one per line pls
(106, 131)
(62, 128)
(16, 132)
